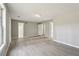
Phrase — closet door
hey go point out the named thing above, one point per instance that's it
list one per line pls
(40, 29)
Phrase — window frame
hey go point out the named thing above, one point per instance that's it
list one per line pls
(3, 21)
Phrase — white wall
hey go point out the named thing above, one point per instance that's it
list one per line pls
(6, 32)
(66, 28)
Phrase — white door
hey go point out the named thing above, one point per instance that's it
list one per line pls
(40, 29)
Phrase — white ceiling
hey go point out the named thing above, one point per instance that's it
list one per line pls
(47, 11)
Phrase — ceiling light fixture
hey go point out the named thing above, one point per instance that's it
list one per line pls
(37, 15)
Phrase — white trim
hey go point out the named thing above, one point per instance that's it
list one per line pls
(67, 44)
(2, 6)
(4, 26)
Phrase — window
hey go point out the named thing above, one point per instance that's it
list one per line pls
(2, 24)
(40, 29)
(51, 23)
(20, 30)
(1, 28)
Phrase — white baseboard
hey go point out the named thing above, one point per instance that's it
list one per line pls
(24, 37)
(67, 44)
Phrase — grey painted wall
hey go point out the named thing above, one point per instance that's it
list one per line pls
(47, 27)
(30, 29)
(14, 29)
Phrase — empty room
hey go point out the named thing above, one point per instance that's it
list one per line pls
(39, 29)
